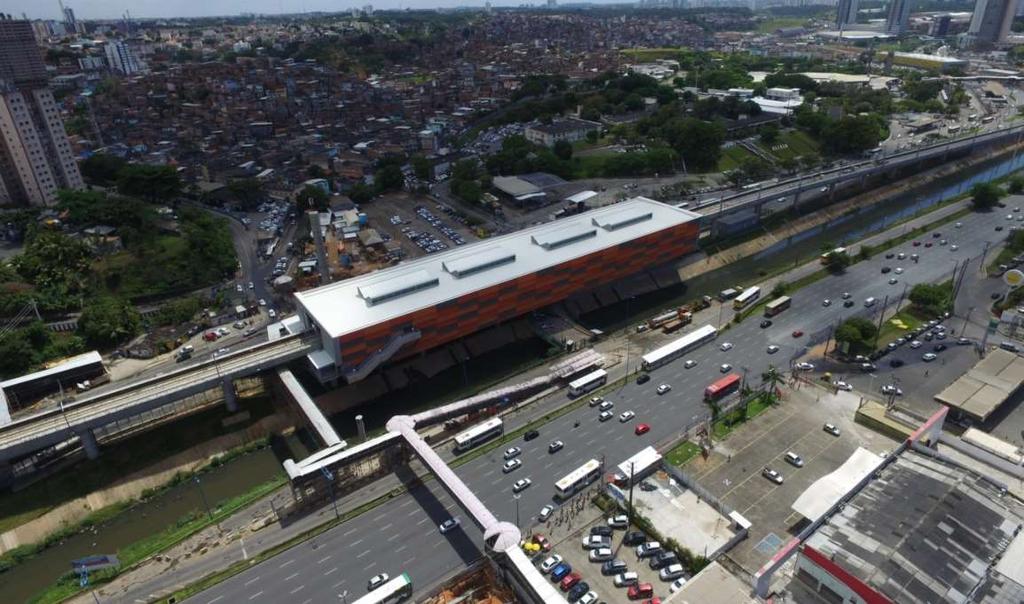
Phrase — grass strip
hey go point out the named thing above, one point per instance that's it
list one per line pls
(682, 453)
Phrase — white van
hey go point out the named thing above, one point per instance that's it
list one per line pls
(624, 579)
(869, 302)
(670, 572)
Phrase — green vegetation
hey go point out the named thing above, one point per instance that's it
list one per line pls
(753, 405)
(121, 459)
(733, 157)
(930, 299)
(769, 26)
(898, 326)
(857, 334)
(985, 195)
(1013, 247)
(682, 453)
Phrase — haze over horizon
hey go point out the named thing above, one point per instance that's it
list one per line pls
(143, 9)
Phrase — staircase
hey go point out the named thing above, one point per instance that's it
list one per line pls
(397, 341)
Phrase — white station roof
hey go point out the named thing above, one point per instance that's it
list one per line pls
(354, 304)
(830, 488)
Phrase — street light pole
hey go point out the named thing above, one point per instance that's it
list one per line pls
(516, 497)
(202, 494)
(330, 481)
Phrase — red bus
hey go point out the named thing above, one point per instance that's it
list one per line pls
(722, 387)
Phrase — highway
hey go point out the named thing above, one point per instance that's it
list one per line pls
(402, 535)
(124, 399)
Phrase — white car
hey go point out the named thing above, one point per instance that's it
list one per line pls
(831, 429)
(677, 585)
(600, 554)
(597, 542)
(606, 406)
(725, 368)
(605, 416)
(448, 525)
(545, 512)
(596, 400)
(890, 389)
(625, 416)
(512, 452)
(916, 344)
(898, 270)
(772, 475)
(521, 484)
(238, 288)
(263, 302)
(826, 302)
(954, 247)
(377, 581)
(272, 313)
(772, 349)
(549, 563)
(689, 364)
(251, 285)
(588, 598)
(511, 465)
(620, 521)
(803, 366)
(725, 346)
(664, 388)
(928, 357)
(841, 385)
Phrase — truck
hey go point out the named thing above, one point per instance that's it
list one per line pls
(684, 318)
(662, 319)
(728, 294)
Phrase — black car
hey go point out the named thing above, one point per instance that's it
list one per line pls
(602, 529)
(939, 347)
(613, 567)
(643, 378)
(663, 559)
(890, 256)
(634, 538)
(646, 486)
(896, 363)
(765, 323)
(936, 234)
(929, 336)
(999, 228)
(578, 590)
(530, 435)
(996, 295)
(847, 303)
(885, 269)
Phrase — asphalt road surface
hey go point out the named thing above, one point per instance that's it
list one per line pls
(402, 536)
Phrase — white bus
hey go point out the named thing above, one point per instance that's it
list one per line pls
(677, 348)
(578, 479)
(588, 382)
(746, 298)
(467, 439)
(395, 590)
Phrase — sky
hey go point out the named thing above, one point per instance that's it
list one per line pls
(111, 9)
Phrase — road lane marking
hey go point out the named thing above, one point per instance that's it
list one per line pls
(218, 598)
(406, 563)
(406, 503)
(289, 562)
(412, 513)
(385, 527)
(417, 524)
(349, 532)
(324, 559)
(357, 542)
(256, 595)
(379, 517)
(363, 554)
(251, 581)
(297, 589)
(291, 576)
(400, 549)
(339, 584)
(330, 571)
(369, 566)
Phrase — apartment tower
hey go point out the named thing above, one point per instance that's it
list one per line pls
(35, 157)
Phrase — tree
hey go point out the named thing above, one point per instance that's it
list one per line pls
(154, 183)
(421, 167)
(247, 191)
(770, 379)
(101, 168)
(769, 134)
(698, 142)
(389, 178)
(107, 322)
(1016, 186)
(311, 198)
(836, 262)
(780, 289)
(930, 298)
(57, 266)
(985, 195)
(563, 149)
(857, 332)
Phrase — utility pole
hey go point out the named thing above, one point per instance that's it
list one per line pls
(881, 317)
(984, 252)
(330, 481)
(630, 510)
(202, 494)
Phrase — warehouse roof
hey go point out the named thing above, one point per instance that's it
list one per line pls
(354, 304)
(986, 386)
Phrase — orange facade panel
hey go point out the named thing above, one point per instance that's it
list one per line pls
(454, 319)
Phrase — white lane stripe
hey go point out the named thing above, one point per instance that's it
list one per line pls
(251, 581)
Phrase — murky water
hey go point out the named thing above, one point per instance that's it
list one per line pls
(152, 516)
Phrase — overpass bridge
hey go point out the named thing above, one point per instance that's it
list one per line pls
(81, 417)
(826, 181)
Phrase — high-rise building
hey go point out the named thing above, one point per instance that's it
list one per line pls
(991, 21)
(846, 13)
(35, 157)
(899, 17)
(122, 58)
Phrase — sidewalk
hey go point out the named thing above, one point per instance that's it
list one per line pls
(254, 530)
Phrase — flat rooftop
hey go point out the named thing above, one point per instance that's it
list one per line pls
(355, 304)
(925, 530)
(986, 386)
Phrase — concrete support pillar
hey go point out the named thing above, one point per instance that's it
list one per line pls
(361, 427)
(88, 439)
(230, 399)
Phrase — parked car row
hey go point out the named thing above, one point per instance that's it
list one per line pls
(440, 225)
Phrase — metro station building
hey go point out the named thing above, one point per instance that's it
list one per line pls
(402, 311)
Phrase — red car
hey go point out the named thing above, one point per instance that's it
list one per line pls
(643, 590)
(917, 244)
(642, 429)
(929, 244)
(797, 333)
(569, 581)
(543, 542)
(210, 336)
(653, 601)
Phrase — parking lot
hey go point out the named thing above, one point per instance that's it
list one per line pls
(571, 552)
(421, 227)
(733, 471)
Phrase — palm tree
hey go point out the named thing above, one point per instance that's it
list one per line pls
(770, 379)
